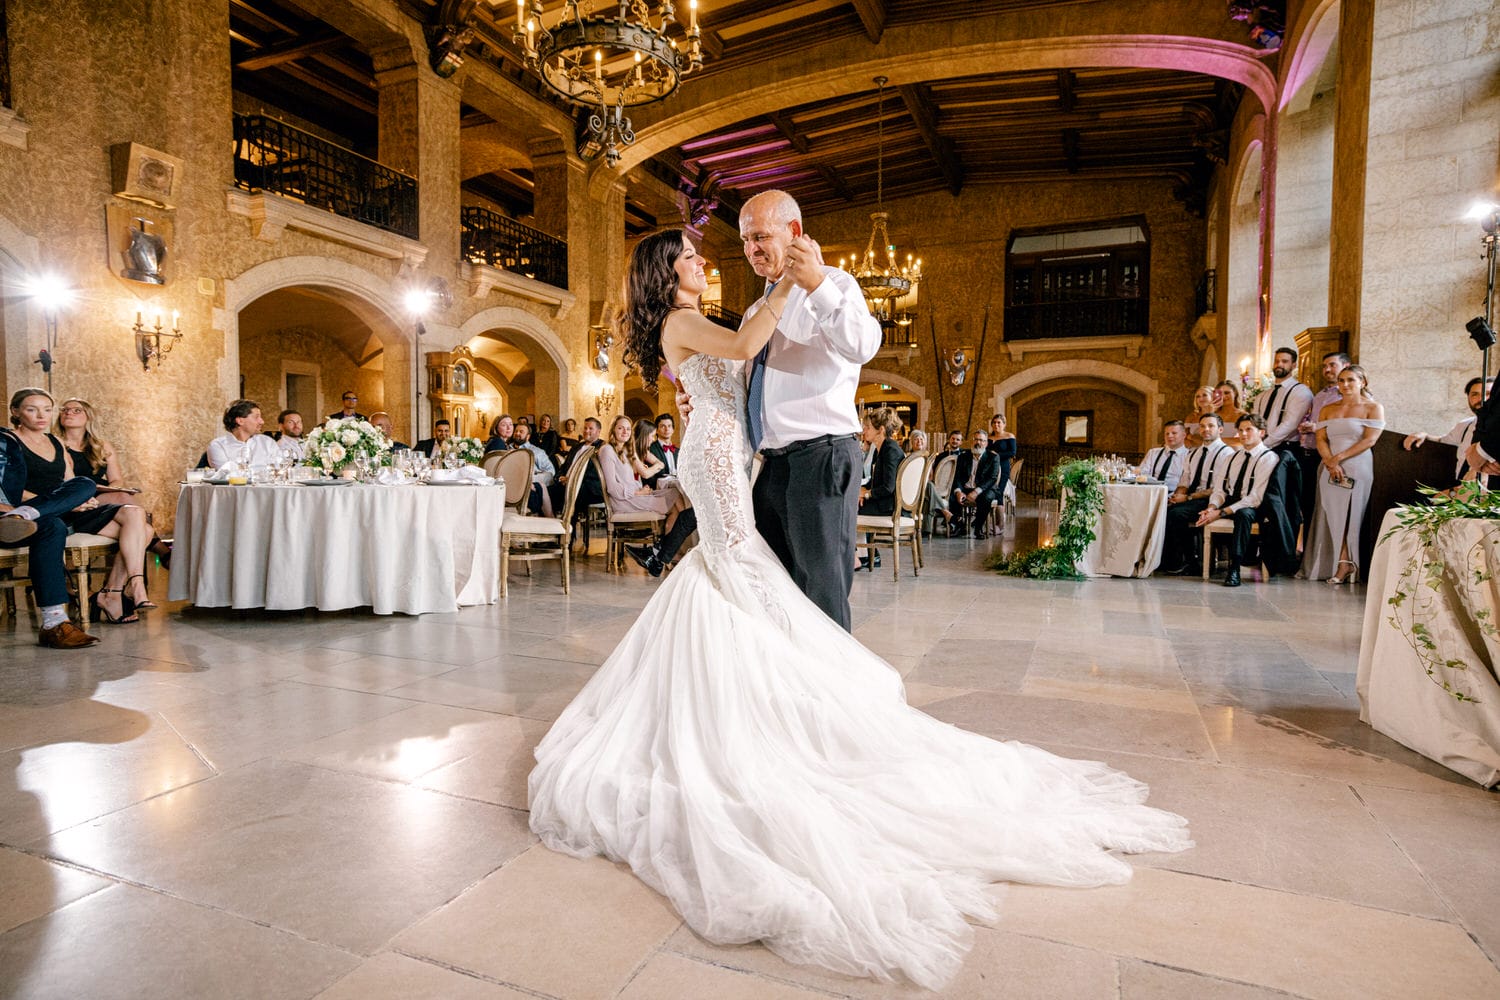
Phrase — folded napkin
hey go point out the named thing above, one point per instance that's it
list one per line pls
(392, 477)
(464, 474)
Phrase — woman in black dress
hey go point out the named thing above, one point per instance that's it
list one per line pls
(48, 465)
(546, 437)
(95, 458)
(879, 496)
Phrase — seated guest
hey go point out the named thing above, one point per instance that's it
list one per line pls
(1462, 434)
(348, 412)
(288, 435)
(381, 421)
(546, 436)
(242, 443)
(501, 429)
(975, 479)
(1165, 463)
(542, 470)
(569, 439)
(441, 432)
(48, 468)
(917, 442)
(94, 458)
(626, 491)
(662, 448)
(37, 525)
(1203, 402)
(954, 446)
(646, 466)
(1347, 430)
(1227, 406)
(1183, 540)
(591, 491)
(1238, 495)
(1003, 445)
(880, 427)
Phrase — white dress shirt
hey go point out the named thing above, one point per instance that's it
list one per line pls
(292, 446)
(1202, 462)
(1461, 436)
(226, 449)
(1283, 406)
(812, 369)
(1262, 463)
(1160, 463)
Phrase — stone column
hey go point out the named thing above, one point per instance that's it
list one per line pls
(560, 204)
(1346, 232)
(419, 135)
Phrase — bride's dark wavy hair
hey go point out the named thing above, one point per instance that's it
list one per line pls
(651, 288)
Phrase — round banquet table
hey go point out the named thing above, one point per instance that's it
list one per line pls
(1128, 541)
(397, 549)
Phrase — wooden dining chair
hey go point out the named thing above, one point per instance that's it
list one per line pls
(625, 526)
(904, 523)
(527, 538)
(515, 468)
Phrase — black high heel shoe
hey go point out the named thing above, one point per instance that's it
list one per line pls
(135, 605)
(127, 608)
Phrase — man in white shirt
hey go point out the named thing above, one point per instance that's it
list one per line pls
(1204, 467)
(288, 437)
(243, 444)
(542, 470)
(1282, 407)
(1239, 493)
(1165, 463)
(1462, 434)
(801, 411)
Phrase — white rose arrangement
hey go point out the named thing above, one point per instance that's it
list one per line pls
(339, 441)
(468, 450)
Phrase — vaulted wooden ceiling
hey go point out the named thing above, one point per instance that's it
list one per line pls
(940, 134)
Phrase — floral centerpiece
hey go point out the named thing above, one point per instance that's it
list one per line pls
(468, 450)
(339, 442)
(1252, 386)
(1057, 558)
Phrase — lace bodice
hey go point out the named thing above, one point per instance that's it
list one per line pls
(713, 463)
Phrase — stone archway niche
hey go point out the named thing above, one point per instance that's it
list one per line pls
(1008, 395)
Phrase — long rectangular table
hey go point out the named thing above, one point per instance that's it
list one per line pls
(397, 549)
(1128, 541)
(1397, 697)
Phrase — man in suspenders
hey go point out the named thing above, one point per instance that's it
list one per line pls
(1240, 492)
(1282, 407)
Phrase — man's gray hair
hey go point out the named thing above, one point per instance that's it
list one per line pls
(780, 206)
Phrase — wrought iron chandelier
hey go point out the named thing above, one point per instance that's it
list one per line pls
(882, 280)
(608, 63)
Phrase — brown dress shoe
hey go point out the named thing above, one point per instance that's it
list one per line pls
(14, 529)
(65, 635)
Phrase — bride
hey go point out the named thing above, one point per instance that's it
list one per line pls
(755, 764)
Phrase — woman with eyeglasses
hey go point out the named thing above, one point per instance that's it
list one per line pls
(95, 458)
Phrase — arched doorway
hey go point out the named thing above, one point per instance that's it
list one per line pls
(522, 365)
(1116, 388)
(878, 387)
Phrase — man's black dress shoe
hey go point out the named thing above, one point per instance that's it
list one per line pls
(864, 561)
(645, 557)
(1232, 578)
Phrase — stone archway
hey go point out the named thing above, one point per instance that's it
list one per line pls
(542, 346)
(370, 297)
(1004, 395)
(924, 405)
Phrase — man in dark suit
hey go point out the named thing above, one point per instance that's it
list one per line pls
(954, 447)
(663, 450)
(592, 490)
(976, 480)
(441, 431)
(348, 412)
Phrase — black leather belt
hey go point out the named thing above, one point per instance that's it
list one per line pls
(809, 443)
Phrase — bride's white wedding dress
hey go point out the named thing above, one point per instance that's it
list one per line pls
(754, 763)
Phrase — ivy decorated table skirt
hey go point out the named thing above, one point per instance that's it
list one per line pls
(1128, 539)
(1428, 654)
(395, 549)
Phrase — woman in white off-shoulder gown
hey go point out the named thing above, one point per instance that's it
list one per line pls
(753, 762)
(1347, 429)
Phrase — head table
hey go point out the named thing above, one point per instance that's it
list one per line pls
(1128, 541)
(406, 549)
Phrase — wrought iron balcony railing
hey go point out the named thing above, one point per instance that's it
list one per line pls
(1097, 317)
(272, 156)
(722, 316)
(4, 60)
(491, 238)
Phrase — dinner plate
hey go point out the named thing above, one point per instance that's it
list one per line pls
(324, 482)
(454, 482)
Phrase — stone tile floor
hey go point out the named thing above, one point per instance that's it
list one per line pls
(242, 805)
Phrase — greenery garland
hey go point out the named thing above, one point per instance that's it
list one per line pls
(1426, 573)
(1083, 482)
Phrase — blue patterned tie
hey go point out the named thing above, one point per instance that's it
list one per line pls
(755, 395)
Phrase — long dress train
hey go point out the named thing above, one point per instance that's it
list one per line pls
(1340, 514)
(754, 763)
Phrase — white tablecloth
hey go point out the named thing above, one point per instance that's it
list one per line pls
(1129, 538)
(407, 549)
(1396, 696)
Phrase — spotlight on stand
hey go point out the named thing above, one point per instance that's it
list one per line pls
(51, 295)
(1481, 328)
(1481, 333)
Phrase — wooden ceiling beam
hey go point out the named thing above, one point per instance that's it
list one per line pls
(919, 105)
(292, 49)
(788, 129)
(835, 182)
(1066, 99)
(872, 17)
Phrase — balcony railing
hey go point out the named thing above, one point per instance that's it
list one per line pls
(491, 238)
(722, 316)
(272, 156)
(4, 60)
(1206, 295)
(1101, 317)
(1042, 459)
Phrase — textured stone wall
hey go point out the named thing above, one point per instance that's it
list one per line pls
(1304, 188)
(262, 355)
(1116, 419)
(1434, 143)
(962, 244)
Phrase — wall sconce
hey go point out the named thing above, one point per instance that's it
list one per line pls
(152, 343)
(51, 296)
(604, 399)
